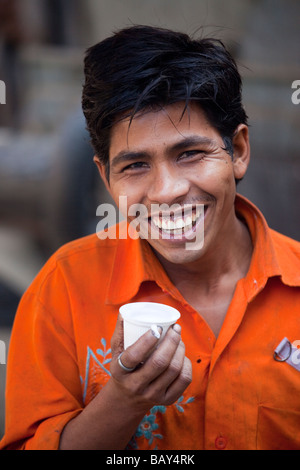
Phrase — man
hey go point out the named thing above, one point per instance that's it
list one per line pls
(169, 130)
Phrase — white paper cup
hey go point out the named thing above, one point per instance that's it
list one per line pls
(138, 317)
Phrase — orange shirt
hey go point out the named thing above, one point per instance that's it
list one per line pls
(240, 396)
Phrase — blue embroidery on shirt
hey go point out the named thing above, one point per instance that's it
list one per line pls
(148, 427)
(103, 353)
(180, 400)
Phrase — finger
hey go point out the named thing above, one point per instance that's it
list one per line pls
(123, 367)
(162, 356)
(138, 352)
(164, 380)
(179, 385)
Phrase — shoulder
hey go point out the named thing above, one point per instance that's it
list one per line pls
(90, 256)
(104, 242)
(291, 246)
(85, 248)
(288, 257)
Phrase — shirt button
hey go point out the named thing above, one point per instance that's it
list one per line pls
(220, 442)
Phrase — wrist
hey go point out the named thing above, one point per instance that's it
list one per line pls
(129, 403)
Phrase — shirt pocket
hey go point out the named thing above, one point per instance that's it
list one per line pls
(278, 429)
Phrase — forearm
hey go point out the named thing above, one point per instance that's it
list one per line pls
(107, 423)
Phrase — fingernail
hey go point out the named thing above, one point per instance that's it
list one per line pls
(156, 331)
(177, 328)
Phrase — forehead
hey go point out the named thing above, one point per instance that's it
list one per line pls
(165, 126)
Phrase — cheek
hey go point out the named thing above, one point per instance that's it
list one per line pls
(215, 178)
(132, 192)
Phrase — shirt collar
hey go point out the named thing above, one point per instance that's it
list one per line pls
(273, 255)
(134, 263)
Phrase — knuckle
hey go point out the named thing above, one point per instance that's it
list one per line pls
(174, 338)
(159, 362)
(175, 367)
(114, 342)
(117, 337)
(186, 376)
(186, 379)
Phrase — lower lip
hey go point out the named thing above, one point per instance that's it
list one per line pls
(180, 237)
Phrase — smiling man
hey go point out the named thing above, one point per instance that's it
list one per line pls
(175, 157)
(170, 134)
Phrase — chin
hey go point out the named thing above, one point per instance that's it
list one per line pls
(179, 256)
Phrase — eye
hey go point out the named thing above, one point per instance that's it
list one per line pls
(191, 154)
(135, 166)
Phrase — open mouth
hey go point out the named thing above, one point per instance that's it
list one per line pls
(179, 224)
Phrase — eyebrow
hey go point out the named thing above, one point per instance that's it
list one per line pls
(190, 141)
(127, 156)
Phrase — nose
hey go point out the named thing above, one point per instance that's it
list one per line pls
(168, 186)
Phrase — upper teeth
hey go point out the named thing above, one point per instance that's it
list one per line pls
(179, 223)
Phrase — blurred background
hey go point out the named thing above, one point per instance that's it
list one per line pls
(49, 188)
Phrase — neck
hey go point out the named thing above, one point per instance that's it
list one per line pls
(230, 260)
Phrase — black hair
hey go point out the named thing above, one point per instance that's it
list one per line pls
(146, 68)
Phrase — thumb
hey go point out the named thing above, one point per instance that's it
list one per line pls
(117, 340)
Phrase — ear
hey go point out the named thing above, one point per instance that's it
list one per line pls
(241, 151)
(102, 171)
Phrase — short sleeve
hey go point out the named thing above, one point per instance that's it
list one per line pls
(43, 389)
